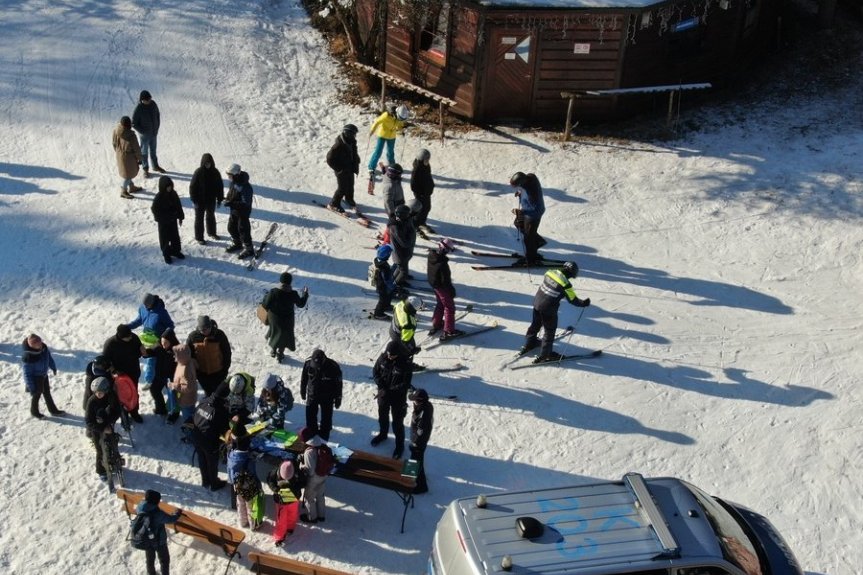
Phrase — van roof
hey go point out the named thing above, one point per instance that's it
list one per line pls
(589, 528)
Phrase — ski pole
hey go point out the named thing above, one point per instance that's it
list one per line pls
(575, 325)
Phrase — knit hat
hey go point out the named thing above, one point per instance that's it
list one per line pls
(150, 300)
(286, 470)
(384, 252)
(446, 246)
(423, 155)
(123, 331)
(152, 496)
(394, 348)
(204, 322)
(286, 278)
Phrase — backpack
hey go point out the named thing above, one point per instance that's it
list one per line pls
(326, 461)
(247, 485)
(373, 275)
(142, 532)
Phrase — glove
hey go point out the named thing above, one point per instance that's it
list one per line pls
(585, 302)
(337, 403)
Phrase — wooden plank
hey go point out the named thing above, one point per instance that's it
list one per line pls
(269, 564)
(228, 539)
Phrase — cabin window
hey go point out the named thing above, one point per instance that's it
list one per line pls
(435, 32)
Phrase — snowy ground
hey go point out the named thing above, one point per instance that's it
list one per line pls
(724, 269)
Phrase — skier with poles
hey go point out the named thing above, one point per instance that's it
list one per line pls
(528, 215)
(555, 286)
(386, 127)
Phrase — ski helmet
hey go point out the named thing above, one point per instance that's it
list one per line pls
(233, 170)
(102, 362)
(237, 383)
(384, 252)
(403, 113)
(423, 155)
(517, 179)
(394, 171)
(415, 302)
(100, 384)
(446, 245)
(419, 395)
(350, 129)
(570, 269)
(402, 212)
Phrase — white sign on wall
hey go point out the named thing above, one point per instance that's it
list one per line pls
(581, 49)
(507, 40)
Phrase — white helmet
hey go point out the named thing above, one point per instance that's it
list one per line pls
(402, 112)
(415, 302)
(237, 383)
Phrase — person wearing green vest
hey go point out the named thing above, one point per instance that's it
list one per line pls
(555, 286)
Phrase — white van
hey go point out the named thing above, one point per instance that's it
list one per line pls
(661, 526)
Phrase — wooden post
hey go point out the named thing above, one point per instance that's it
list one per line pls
(440, 117)
(568, 128)
(383, 93)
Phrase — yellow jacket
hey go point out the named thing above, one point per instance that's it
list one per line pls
(386, 126)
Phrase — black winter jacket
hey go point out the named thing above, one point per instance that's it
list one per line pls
(343, 156)
(166, 205)
(124, 355)
(438, 271)
(392, 375)
(422, 421)
(321, 384)
(422, 184)
(207, 186)
(146, 118)
(101, 413)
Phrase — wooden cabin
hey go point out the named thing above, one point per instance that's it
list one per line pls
(510, 60)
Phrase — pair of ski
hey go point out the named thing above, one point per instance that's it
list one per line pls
(357, 216)
(256, 258)
(518, 264)
(461, 336)
(560, 359)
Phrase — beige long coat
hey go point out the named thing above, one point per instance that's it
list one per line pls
(128, 151)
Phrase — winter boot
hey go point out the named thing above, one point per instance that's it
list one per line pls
(246, 253)
(451, 334)
(146, 173)
(553, 356)
(234, 248)
(529, 345)
(159, 169)
(335, 208)
(378, 439)
(124, 193)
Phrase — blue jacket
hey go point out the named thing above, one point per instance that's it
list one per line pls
(530, 200)
(36, 364)
(159, 520)
(239, 460)
(155, 320)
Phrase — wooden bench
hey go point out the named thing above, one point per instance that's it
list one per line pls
(226, 538)
(268, 564)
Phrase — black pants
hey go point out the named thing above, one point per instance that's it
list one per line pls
(344, 189)
(420, 218)
(159, 407)
(323, 430)
(530, 228)
(210, 381)
(385, 298)
(43, 389)
(102, 445)
(548, 321)
(208, 458)
(164, 559)
(169, 237)
(394, 403)
(240, 228)
(418, 454)
(205, 212)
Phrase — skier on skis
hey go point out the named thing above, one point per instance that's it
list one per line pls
(440, 279)
(392, 191)
(385, 286)
(386, 127)
(404, 324)
(528, 215)
(555, 286)
(403, 238)
(422, 185)
(239, 201)
(344, 159)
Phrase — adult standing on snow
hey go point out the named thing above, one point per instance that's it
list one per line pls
(124, 351)
(403, 238)
(528, 215)
(554, 287)
(422, 185)
(146, 121)
(212, 351)
(422, 421)
(391, 190)
(168, 213)
(279, 303)
(239, 201)
(128, 153)
(386, 127)
(206, 190)
(344, 160)
(392, 375)
(321, 389)
(36, 361)
(210, 422)
(154, 320)
(440, 279)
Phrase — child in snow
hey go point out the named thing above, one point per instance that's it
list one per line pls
(37, 360)
(275, 401)
(242, 474)
(392, 192)
(168, 213)
(403, 238)
(440, 279)
(286, 485)
(383, 282)
(185, 381)
(158, 519)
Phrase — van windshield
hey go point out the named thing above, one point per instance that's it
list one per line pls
(736, 546)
